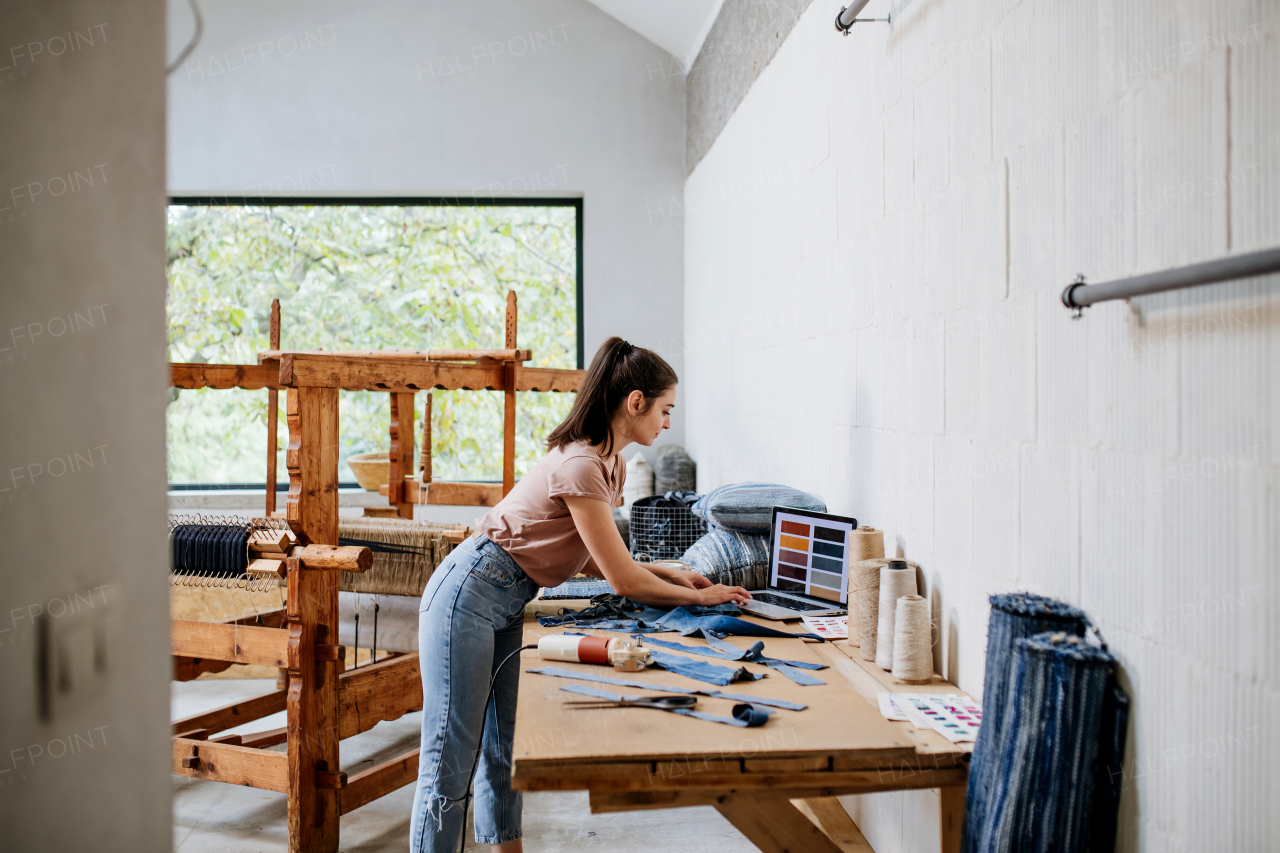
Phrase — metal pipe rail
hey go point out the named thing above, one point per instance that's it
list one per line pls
(1078, 295)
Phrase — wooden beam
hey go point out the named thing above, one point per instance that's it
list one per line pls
(273, 412)
(449, 493)
(248, 376)
(236, 765)
(952, 817)
(548, 379)
(402, 462)
(379, 780)
(386, 690)
(301, 370)
(508, 354)
(312, 460)
(348, 558)
(424, 465)
(311, 701)
(834, 820)
(235, 643)
(775, 825)
(270, 737)
(235, 714)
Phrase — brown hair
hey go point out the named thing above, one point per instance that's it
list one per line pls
(617, 369)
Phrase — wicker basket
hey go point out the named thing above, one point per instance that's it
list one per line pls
(372, 470)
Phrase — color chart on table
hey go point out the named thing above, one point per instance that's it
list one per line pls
(811, 556)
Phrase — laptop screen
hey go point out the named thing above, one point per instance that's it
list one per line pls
(809, 553)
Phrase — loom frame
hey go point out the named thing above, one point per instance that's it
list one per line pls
(324, 704)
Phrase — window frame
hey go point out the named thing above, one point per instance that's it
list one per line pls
(576, 202)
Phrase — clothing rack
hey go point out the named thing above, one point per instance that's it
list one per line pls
(1079, 295)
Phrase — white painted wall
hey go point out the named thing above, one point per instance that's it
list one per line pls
(491, 97)
(82, 383)
(875, 248)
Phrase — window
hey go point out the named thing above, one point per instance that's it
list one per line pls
(367, 274)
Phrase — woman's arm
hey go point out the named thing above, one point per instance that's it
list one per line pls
(594, 521)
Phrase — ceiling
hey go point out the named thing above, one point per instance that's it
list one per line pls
(677, 26)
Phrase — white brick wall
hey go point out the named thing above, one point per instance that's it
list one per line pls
(872, 314)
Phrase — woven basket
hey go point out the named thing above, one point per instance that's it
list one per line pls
(372, 470)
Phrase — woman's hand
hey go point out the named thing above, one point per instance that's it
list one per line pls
(719, 594)
(688, 580)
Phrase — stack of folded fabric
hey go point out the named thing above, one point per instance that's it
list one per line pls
(735, 549)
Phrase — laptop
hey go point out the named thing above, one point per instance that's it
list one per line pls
(808, 566)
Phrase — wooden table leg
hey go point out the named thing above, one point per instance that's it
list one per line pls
(834, 820)
(775, 825)
(952, 818)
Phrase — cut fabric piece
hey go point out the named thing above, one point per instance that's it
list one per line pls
(726, 651)
(702, 671)
(688, 625)
(612, 612)
(744, 715)
(557, 672)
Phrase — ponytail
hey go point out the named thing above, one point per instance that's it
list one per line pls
(617, 369)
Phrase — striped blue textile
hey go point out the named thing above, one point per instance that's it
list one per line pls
(731, 558)
(748, 507)
(1045, 765)
(1014, 616)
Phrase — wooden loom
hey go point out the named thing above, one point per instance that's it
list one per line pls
(324, 704)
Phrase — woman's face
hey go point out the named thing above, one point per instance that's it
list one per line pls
(646, 427)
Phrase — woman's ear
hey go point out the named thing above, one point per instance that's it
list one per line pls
(635, 403)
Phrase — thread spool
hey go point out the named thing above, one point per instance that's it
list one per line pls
(913, 641)
(896, 580)
(868, 574)
(868, 544)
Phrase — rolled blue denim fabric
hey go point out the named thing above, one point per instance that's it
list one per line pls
(1013, 617)
(731, 558)
(1045, 766)
(748, 507)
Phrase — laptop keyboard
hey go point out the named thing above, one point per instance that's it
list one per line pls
(789, 603)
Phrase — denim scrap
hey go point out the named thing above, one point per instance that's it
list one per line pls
(744, 715)
(688, 624)
(755, 654)
(703, 671)
(612, 612)
(557, 672)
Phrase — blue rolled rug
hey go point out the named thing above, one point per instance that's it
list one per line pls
(1086, 746)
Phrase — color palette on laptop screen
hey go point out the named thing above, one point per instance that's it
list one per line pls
(810, 556)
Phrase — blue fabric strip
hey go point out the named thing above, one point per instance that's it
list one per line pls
(686, 624)
(744, 715)
(557, 672)
(727, 651)
(702, 671)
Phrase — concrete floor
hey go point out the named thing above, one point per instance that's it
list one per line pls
(210, 816)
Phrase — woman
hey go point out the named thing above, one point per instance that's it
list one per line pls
(555, 523)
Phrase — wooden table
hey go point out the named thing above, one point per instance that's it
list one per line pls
(777, 783)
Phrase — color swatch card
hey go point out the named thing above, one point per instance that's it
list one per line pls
(949, 715)
(811, 555)
(827, 627)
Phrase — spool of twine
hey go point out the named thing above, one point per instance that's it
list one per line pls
(868, 544)
(897, 579)
(868, 574)
(912, 641)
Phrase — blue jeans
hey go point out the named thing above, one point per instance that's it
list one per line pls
(471, 618)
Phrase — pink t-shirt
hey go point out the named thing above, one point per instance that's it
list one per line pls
(532, 523)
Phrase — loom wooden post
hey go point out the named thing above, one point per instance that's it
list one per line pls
(311, 699)
(509, 407)
(273, 406)
(401, 451)
(424, 464)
